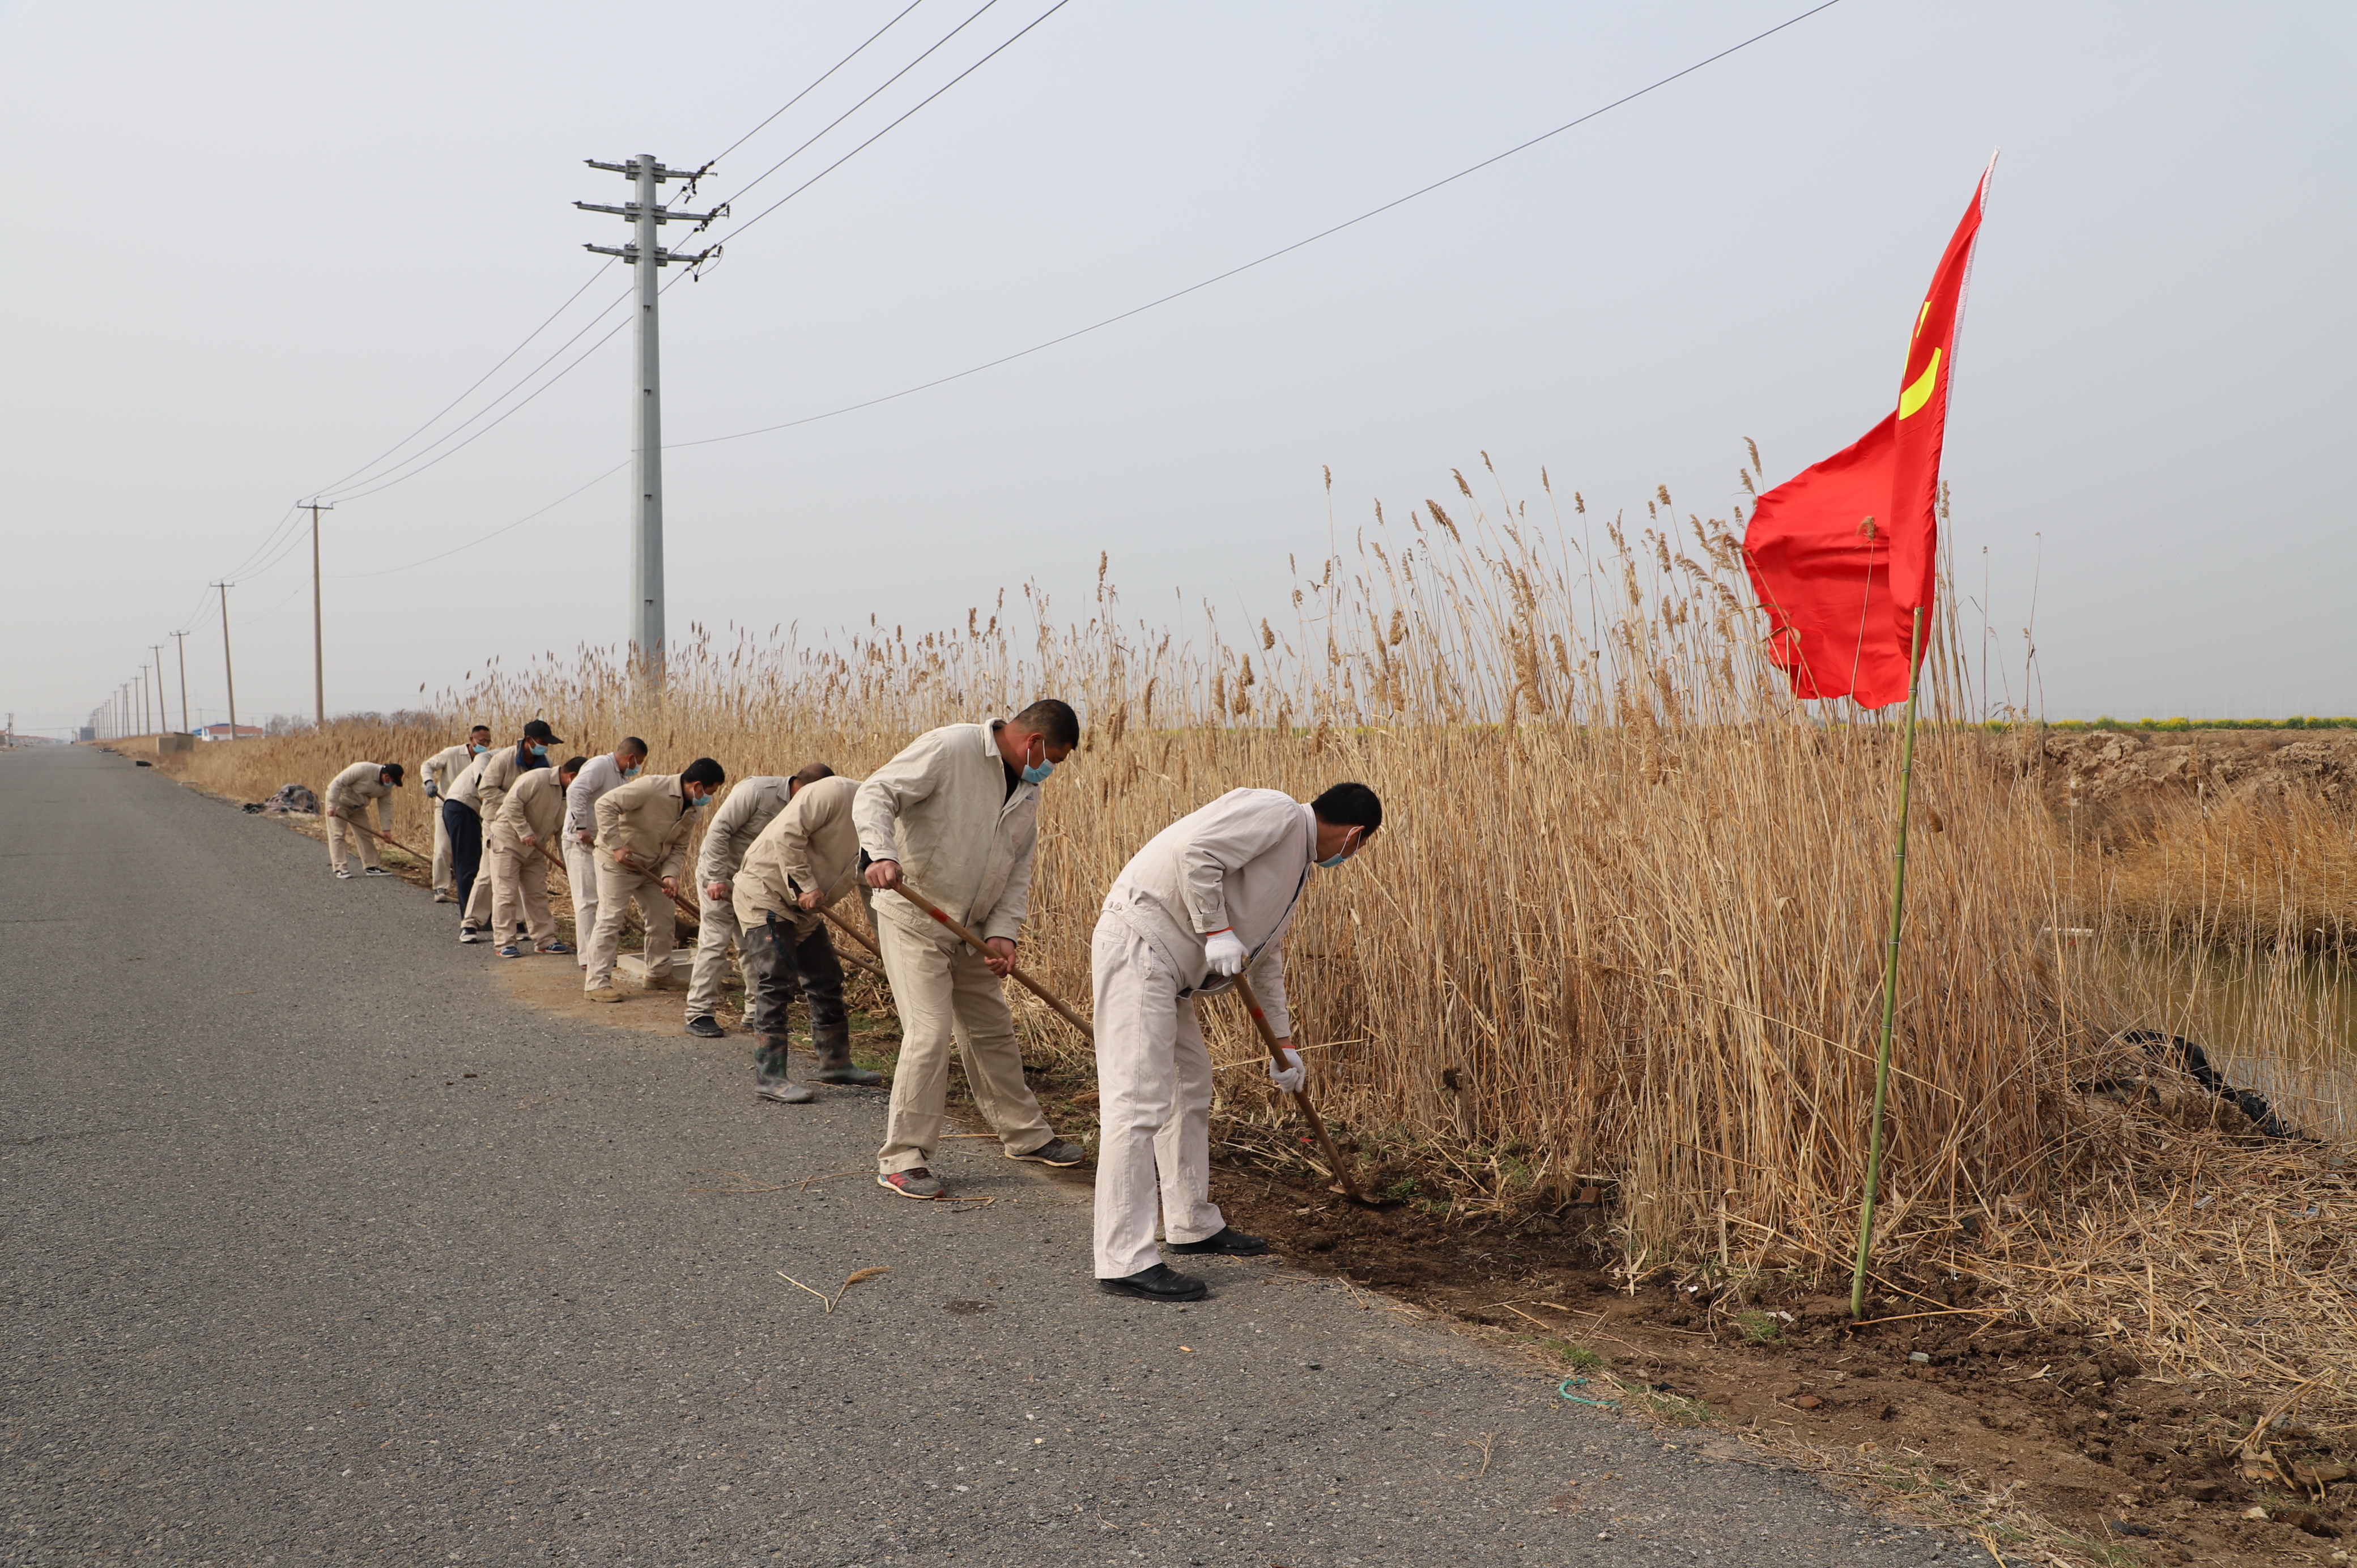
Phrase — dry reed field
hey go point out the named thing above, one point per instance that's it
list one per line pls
(1624, 925)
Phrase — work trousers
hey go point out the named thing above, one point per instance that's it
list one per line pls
(778, 965)
(581, 871)
(945, 995)
(715, 928)
(441, 854)
(352, 821)
(465, 828)
(476, 911)
(1154, 1104)
(520, 893)
(618, 888)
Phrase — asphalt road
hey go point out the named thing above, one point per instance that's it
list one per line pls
(316, 1246)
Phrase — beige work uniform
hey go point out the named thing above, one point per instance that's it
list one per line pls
(649, 816)
(597, 775)
(496, 772)
(534, 805)
(943, 809)
(1240, 865)
(349, 794)
(810, 843)
(752, 804)
(440, 770)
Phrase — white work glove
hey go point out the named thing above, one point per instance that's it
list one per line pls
(1224, 953)
(1292, 1075)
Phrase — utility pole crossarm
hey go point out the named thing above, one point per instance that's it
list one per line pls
(631, 169)
(663, 214)
(662, 258)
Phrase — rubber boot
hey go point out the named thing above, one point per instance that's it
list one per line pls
(832, 1043)
(770, 1080)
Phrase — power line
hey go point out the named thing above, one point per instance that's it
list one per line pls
(1232, 271)
(487, 375)
(486, 539)
(375, 486)
(798, 97)
(862, 103)
(888, 130)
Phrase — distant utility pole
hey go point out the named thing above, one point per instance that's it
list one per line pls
(228, 671)
(163, 719)
(318, 662)
(646, 449)
(181, 638)
(143, 696)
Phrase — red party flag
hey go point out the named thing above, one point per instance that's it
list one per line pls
(1845, 552)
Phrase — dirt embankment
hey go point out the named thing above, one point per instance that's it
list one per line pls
(2111, 769)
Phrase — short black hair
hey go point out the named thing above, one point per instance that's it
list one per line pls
(1053, 720)
(1349, 806)
(633, 743)
(573, 765)
(473, 729)
(394, 769)
(813, 773)
(705, 771)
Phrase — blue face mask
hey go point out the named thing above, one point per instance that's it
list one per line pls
(1038, 775)
(632, 771)
(695, 801)
(1330, 863)
(540, 751)
(475, 748)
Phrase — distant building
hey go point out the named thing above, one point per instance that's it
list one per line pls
(220, 732)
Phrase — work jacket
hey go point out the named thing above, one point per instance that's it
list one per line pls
(597, 775)
(752, 804)
(445, 766)
(351, 791)
(535, 806)
(943, 809)
(810, 843)
(464, 787)
(648, 816)
(501, 768)
(1239, 864)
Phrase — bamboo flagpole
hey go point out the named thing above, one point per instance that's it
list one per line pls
(1889, 980)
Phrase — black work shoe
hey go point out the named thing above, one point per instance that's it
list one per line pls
(1054, 1152)
(1160, 1282)
(704, 1027)
(1230, 1242)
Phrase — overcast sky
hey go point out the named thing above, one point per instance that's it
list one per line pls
(260, 242)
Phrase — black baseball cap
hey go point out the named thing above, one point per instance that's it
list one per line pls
(538, 730)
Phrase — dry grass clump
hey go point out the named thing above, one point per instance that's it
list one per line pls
(1624, 924)
(2209, 1254)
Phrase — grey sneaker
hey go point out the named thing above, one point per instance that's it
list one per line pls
(343, 874)
(468, 934)
(918, 1183)
(376, 870)
(1054, 1152)
(785, 1091)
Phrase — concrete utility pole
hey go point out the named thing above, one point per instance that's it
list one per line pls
(143, 696)
(163, 719)
(181, 638)
(228, 671)
(646, 430)
(319, 660)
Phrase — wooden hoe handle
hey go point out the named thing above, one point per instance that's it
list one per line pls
(1301, 1096)
(1041, 992)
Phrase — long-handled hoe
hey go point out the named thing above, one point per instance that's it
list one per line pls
(1301, 1099)
(1041, 992)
